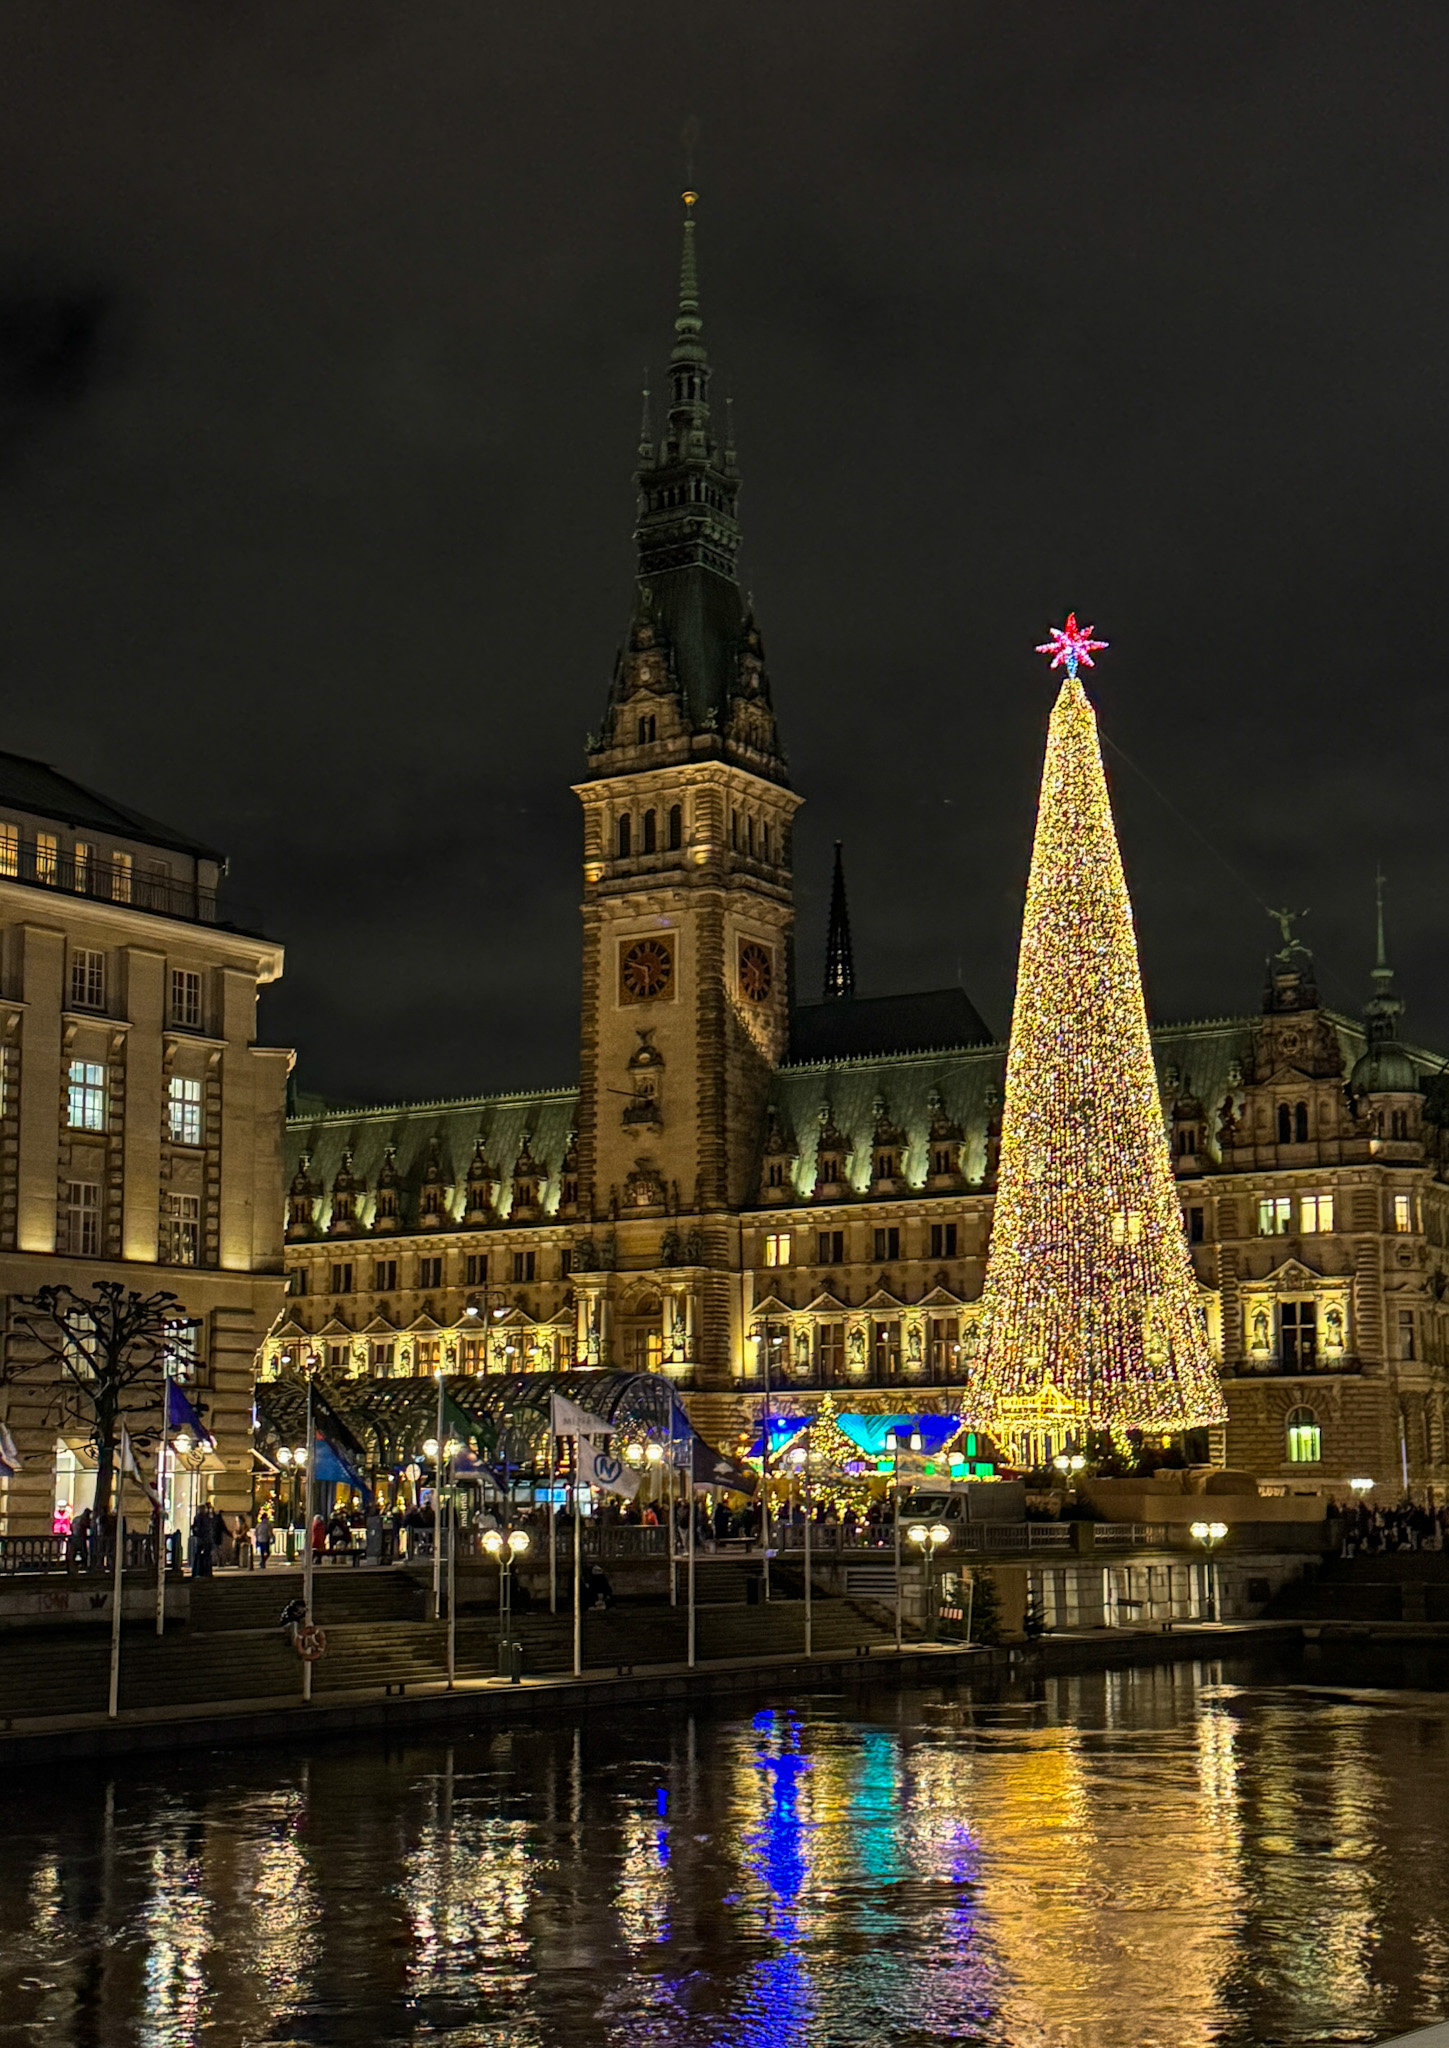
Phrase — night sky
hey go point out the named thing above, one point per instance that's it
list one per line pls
(322, 325)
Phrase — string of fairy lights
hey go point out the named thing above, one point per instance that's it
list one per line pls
(1091, 1314)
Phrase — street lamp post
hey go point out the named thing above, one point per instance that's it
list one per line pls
(504, 1546)
(928, 1539)
(893, 1445)
(1209, 1535)
(800, 1459)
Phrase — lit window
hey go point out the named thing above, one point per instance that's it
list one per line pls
(81, 866)
(777, 1248)
(185, 999)
(1315, 1214)
(1403, 1212)
(9, 849)
(1275, 1215)
(87, 1099)
(83, 1218)
(87, 979)
(47, 857)
(183, 1110)
(1305, 1439)
(121, 877)
(475, 1354)
(181, 1230)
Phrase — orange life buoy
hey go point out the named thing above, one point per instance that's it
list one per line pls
(310, 1642)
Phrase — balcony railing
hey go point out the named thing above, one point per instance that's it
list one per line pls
(38, 866)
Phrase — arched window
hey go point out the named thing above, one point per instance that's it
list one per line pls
(625, 838)
(1305, 1439)
(1300, 1123)
(676, 827)
(1285, 1124)
(650, 835)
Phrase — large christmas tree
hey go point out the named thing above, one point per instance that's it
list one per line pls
(1091, 1317)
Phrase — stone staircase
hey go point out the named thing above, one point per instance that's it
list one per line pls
(234, 1648)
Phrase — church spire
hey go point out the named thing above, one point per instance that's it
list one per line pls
(1384, 1007)
(839, 960)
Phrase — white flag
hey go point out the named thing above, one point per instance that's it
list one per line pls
(566, 1418)
(132, 1470)
(609, 1474)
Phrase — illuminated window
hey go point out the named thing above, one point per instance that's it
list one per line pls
(87, 979)
(777, 1248)
(81, 866)
(9, 849)
(1315, 1214)
(47, 857)
(87, 1096)
(428, 1355)
(121, 877)
(1275, 1215)
(474, 1354)
(1305, 1439)
(83, 1218)
(1403, 1212)
(181, 1230)
(183, 1110)
(185, 999)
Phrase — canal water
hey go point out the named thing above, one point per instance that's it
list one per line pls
(1186, 1855)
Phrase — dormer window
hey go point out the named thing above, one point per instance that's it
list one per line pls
(646, 729)
(887, 1165)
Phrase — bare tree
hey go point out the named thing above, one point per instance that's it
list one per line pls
(107, 1352)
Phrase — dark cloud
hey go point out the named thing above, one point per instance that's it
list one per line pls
(324, 550)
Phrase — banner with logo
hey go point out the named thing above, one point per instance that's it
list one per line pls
(566, 1418)
(603, 1470)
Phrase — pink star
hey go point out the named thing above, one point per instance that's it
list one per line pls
(1070, 644)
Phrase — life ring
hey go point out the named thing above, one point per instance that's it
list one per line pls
(310, 1642)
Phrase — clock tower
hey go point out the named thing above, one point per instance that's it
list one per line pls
(687, 906)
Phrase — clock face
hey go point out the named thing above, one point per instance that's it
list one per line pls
(756, 973)
(646, 971)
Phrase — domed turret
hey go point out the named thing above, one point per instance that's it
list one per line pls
(1385, 1068)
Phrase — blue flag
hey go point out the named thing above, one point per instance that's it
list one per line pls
(332, 1467)
(181, 1415)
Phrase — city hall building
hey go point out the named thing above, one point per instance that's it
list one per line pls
(757, 1194)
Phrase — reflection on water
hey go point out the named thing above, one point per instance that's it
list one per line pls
(1190, 1856)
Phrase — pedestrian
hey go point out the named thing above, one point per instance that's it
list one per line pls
(262, 1538)
(203, 1540)
(319, 1538)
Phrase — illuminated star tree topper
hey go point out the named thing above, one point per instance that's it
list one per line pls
(1071, 645)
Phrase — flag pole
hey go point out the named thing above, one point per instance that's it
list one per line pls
(578, 1565)
(452, 1570)
(113, 1705)
(438, 1510)
(673, 1457)
(689, 1576)
(307, 1470)
(161, 1492)
(552, 1518)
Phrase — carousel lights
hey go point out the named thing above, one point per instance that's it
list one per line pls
(1091, 1315)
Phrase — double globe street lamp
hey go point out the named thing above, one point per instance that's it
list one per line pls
(505, 1547)
(928, 1539)
(1209, 1535)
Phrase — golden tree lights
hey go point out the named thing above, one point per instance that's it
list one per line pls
(1091, 1318)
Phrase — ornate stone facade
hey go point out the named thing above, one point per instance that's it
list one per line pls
(745, 1189)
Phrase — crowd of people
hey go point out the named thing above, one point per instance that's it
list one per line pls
(1367, 1530)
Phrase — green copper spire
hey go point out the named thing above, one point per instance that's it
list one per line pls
(1384, 1007)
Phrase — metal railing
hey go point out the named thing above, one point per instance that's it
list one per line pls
(25, 1554)
(39, 866)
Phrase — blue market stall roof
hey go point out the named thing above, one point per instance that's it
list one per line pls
(867, 1432)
